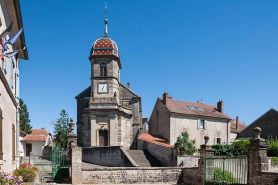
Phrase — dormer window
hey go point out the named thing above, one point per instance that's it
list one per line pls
(103, 70)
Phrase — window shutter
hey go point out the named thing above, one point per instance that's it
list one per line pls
(198, 124)
(185, 123)
(215, 140)
(205, 124)
(17, 83)
(12, 73)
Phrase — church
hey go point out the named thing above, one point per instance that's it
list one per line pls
(108, 112)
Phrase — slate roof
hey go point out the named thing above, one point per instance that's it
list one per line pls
(181, 107)
(241, 126)
(37, 135)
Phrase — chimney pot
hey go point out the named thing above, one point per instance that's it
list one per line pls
(198, 101)
(237, 122)
(128, 85)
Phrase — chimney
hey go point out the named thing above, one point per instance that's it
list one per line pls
(165, 98)
(198, 101)
(220, 106)
(128, 85)
(170, 97)
(237, 122)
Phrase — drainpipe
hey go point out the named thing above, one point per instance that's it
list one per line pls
(17, 136)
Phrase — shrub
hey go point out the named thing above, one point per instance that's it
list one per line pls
(184, 145)
(218, 175)
(223, 150)
(239, 147)
(6, 178)
(27, 172)
(275, 160)
(272, 149)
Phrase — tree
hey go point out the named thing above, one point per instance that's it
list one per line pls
(184, 145)
(61, 129)
(24, 118)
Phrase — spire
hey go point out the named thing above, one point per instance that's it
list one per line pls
(105, 21)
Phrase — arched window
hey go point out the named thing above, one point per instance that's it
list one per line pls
(103, 70)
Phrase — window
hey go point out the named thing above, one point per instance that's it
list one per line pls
(4, 65)
(218, 140)
(12, 73)
(218, 127)
(191, 108)
(103, 70)
(185, 123)
(202, 124)
(199, 108)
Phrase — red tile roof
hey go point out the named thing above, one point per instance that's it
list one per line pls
(155, 139)
(105, 46)
(181, 107)
(36, 135)
(241, 126)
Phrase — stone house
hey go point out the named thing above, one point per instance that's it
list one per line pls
(170, 118)
(268, 123)
(9, 85)
(236, 127)
(108, 112)
(35, 142)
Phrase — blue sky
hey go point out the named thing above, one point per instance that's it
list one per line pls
(194, 50)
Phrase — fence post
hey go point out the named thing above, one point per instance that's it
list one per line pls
(257, 155)
(32, 159)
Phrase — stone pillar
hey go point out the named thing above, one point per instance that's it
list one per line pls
(113, 123)
(76, 163)
(31, 159)
(93, 122)
(258, 161)
(72, 137)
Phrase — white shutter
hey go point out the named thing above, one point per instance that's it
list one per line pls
(17, 83)
(215, 140)
(185, 123)
(205, 124)
(198, 124)
(12, 73)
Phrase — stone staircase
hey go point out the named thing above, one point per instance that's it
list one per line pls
(143, 158)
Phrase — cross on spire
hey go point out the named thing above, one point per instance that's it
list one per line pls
(105, 12)
(105, 21)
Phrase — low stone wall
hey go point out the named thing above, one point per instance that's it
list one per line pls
(165, 155)
(193, 176)
(112, 156)
(268, 178)
(188, 161)
(140, 175)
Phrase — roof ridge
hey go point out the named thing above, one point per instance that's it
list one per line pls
(188, 102)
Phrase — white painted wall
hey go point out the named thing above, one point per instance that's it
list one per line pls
(216, 128)
(37, 147)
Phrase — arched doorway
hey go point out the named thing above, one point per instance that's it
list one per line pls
(103, 137)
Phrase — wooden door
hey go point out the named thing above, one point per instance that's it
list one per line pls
(103, 138)
(28, 149)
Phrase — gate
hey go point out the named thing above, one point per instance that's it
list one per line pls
(60, 164)
(226, 170)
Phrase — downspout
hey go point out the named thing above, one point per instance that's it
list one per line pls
(17, 136)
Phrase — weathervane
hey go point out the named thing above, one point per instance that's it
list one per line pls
(105, 21)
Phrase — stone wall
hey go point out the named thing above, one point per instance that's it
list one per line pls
(145, 175)
(113, 156)
(165, 155)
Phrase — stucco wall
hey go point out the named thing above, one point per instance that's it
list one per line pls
(179, 124)
(160, 120)
(166, 156)
(107, 156)
(37, 147)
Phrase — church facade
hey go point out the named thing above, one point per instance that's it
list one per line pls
(108, 112)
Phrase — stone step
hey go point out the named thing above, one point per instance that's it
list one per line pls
(143, 158)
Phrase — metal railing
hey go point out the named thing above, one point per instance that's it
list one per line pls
(226, 170)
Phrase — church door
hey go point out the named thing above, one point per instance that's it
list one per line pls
(103, 137)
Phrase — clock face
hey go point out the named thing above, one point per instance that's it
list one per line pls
(102, 87)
